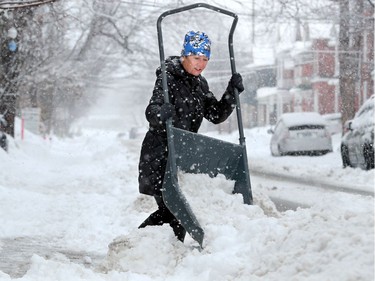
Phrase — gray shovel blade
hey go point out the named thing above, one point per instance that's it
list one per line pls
(180, 208)
(195, 153)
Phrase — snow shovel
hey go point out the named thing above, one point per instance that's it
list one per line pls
(195, 153)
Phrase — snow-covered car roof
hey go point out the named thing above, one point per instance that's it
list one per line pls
(303, 118)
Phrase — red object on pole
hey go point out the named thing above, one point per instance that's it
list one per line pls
(22, 128)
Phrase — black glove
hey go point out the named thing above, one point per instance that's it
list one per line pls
(235, 82)
(166, 111)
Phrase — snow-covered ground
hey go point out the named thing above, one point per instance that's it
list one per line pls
(81, 194)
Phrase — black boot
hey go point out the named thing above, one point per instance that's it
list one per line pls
(178, 229)
(154, 219)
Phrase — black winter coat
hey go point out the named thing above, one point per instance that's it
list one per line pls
(193, 101)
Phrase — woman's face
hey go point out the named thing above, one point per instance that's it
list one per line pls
(194, 64)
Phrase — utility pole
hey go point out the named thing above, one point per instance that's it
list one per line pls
(253, 23)
(13, 19)
(8, 71)
(349, 55)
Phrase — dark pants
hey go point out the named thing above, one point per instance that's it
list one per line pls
(163, 215)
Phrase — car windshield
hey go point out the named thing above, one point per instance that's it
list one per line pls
(365, 116)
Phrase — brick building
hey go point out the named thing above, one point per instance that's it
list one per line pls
(308, 76)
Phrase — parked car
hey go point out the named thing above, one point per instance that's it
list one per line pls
(3, 136)
(300, 133)
(357, 144)
(3, 141)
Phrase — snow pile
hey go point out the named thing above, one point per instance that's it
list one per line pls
(76, 200)
(242, 242)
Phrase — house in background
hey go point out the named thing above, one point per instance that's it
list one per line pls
(259, 77)
(306, 81)
(261, 73)
(307, 74)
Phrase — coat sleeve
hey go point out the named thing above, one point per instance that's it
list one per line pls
(153, 109)
(217, 111)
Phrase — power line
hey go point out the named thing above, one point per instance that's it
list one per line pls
(244, 14)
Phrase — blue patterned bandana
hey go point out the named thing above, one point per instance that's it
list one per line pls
(196, 43)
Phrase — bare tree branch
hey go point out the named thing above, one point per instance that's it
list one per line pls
(23, 4)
